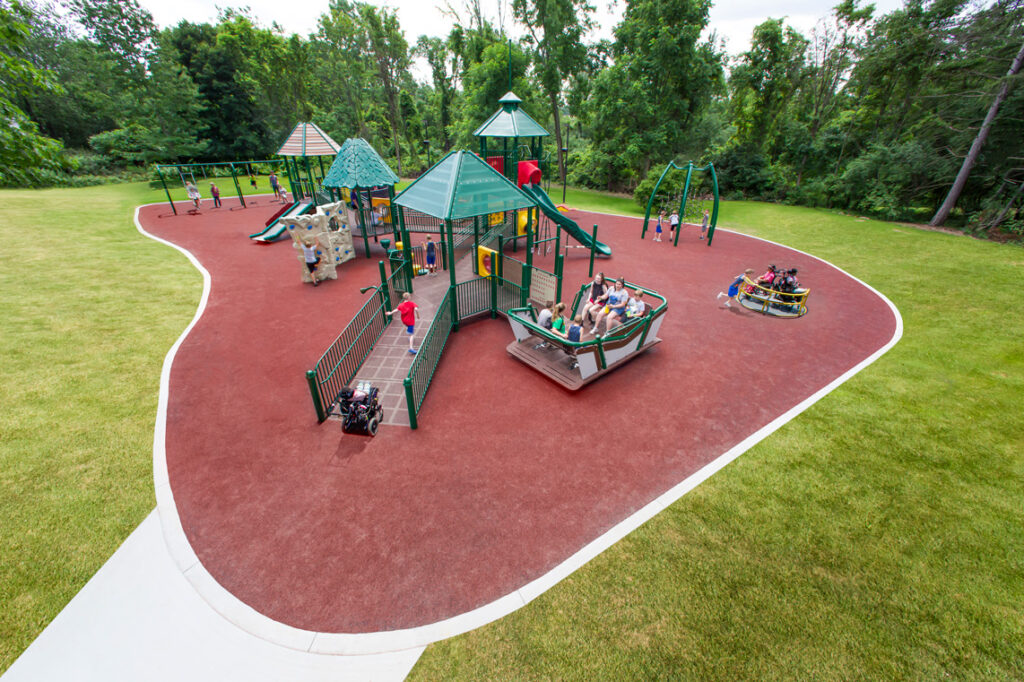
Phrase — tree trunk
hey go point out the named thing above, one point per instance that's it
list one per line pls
(558, 134)
(972, 156)
(998, 220)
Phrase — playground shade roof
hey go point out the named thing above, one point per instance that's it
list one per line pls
(359, 165)
(510, 121)
(306, 139)
(462, 185)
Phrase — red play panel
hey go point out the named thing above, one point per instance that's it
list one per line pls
(508, 474)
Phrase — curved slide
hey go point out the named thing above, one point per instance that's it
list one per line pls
(276, 228)
(570, 226)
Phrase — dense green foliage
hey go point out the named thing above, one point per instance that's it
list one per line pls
(868, 113)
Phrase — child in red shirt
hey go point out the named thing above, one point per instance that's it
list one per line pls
(410, 311)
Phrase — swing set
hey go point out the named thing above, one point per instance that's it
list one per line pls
(186, 172)
(696, 192)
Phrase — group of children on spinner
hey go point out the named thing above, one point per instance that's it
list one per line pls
(613, 305)
(673, 225)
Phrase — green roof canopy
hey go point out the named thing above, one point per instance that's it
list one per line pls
(462, 185)
(510, 121)
(359, 165)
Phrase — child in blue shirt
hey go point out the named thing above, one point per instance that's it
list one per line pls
(734, 288)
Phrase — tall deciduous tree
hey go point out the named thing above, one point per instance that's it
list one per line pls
(556, 28)
(662, 77)
(390, 52)
(979, 141)
(26, 157)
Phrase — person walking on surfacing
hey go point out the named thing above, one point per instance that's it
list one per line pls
(410, 312)
(734, 288)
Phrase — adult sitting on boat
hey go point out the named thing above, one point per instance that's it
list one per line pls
(596, 297)
(615, 310)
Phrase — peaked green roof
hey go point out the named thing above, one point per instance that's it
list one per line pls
(462, 185)
(510, 121)
(358, 165)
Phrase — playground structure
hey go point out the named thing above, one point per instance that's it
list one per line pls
(186, 172)
(304, 141)
(754, 296)
(692, 199)
(510, 123)
(363, 181)
(332, 238)
(476, 209)
(573, 364)
(525, 163)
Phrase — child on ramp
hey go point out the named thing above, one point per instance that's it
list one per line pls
(734, 288)
(409, 313)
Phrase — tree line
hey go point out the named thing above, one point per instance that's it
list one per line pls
(879, 114)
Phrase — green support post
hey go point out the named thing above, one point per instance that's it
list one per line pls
(321, 413)
(362, 220)
(166, 191)
(528, 270)
(407, 256)
(410, 403)
(650, 202)
(476, 242)
(391, 211)
(384, 290)
(559, 264)
(593, 241)
(682, 202)
(494, 296)
(238, 187)
(451, 251)
(714, 209)
(309, 179)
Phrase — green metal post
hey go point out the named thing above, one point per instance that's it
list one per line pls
(559, 265)
(528, 270)
(238, 187)
(321, 413)
(410, 403)
(682, 202)
(449, 233)
(166, 191)
(384, 289)
(354, 191)
(494, 295)
(650, 202)
(714, 209)
(391, 211)
(593, 242)
(476, 243)
(309, 179)
(407, 255)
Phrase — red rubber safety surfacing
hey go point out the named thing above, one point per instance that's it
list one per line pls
(508, 474)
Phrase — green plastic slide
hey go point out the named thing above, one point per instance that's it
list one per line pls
(278, 227)
(556, 216)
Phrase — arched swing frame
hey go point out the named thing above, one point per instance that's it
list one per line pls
(690, 169)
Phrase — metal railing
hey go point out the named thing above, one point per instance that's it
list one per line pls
(429, 356)
(343, 358)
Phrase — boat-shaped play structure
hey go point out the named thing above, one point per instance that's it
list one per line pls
(576, 364)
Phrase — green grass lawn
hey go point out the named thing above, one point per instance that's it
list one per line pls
(879, 535)
(88, 309)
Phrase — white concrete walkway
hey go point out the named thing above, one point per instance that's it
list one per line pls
(138, 618)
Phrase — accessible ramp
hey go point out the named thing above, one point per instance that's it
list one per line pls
(278, 226)
(556, 216)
